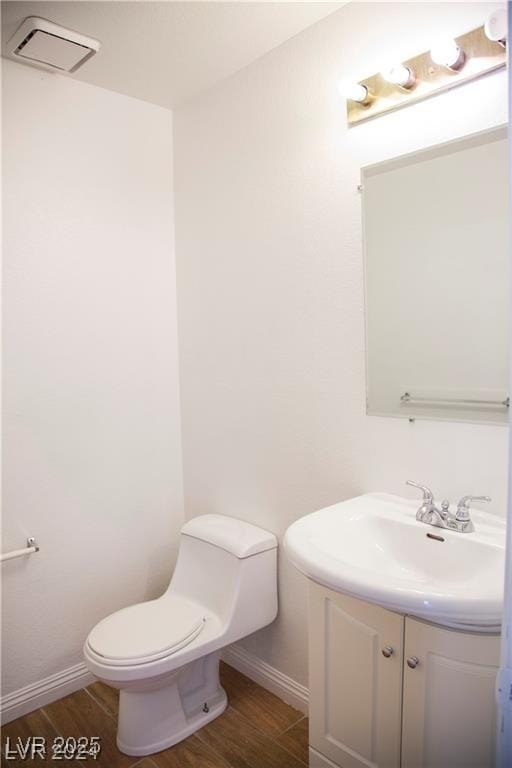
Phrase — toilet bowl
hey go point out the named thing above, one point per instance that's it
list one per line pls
(163, 655)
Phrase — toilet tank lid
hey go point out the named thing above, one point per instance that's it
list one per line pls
(239, 538)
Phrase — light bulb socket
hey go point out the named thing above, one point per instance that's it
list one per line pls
(459, 63)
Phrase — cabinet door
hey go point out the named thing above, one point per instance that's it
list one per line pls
(355, 690)
(449, 704)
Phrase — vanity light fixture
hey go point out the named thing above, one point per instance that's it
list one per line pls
(447, 54)
(450, 63)
(400, 75)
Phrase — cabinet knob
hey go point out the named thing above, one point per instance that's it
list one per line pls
(387, 651)
(413, 662)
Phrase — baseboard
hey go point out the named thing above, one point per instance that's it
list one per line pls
(267, 676)
(45, 691)
(317, 760)
(36, 695)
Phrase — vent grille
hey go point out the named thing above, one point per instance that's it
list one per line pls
(42, 43)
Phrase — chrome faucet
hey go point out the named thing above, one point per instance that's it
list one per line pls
(429, 513)
(462, 518)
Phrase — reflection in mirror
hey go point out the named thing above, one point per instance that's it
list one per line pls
(437, 282)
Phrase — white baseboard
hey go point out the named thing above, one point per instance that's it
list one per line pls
(36, 695)
(267, 676)
(31, 697)
(317, 760)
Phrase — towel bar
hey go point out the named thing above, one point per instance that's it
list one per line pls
(408, 398)
(28, 550)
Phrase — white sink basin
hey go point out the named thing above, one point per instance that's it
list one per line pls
(372, 547)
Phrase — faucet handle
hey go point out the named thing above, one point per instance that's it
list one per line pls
(464, 504)
(427, 493)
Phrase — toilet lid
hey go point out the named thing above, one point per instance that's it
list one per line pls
(147, 631)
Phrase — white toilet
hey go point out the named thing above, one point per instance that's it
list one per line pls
(163, 655)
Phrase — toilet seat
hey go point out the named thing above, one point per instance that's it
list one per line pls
(147, 631)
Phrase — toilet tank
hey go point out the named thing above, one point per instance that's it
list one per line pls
(230, 567)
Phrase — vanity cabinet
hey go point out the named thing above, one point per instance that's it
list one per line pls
(388, 690)
(449, 697)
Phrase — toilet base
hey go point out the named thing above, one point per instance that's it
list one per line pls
(198, 720)
(153, 720)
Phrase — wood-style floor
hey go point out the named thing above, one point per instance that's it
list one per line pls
(257, 730)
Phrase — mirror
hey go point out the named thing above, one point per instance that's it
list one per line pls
(437, 282)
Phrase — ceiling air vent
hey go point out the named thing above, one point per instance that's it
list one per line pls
(47, 45)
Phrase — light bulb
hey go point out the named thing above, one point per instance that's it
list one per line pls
(496, 26)
(447, 53)
(400, 75)
(356, 92)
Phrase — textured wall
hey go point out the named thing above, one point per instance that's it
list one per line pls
(92, 454)
(270, 275)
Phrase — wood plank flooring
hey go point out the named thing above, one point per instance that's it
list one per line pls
(257, 730)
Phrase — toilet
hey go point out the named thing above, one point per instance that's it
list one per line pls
(163, 654)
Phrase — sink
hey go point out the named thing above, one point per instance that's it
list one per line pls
(372, 547)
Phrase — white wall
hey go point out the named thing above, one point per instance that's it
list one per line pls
(270, 279)
(92, 431)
